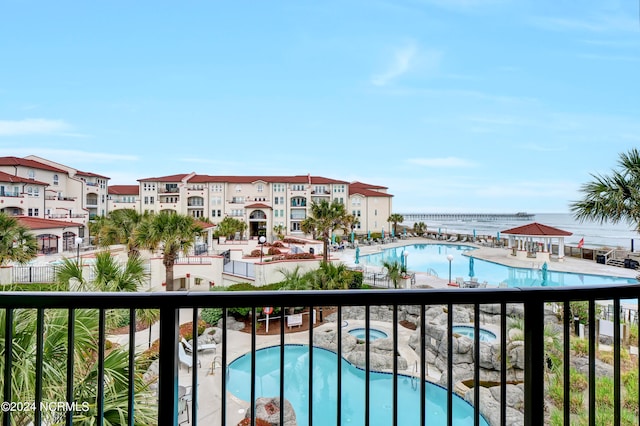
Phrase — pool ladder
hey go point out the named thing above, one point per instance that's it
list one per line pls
(414, 379)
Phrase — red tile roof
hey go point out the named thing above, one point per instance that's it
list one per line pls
(315, 180)
(6, 177)
(367, 190)
(17, 161)
(40, 223)
(538, 229)
(124, 189)
(171, 178)
(257, 206)
(91, 174)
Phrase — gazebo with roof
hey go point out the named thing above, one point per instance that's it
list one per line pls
(534, 241)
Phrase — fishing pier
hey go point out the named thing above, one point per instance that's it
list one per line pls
(468, 217)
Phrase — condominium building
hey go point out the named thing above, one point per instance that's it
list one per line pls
(263, 202)
(35, 187)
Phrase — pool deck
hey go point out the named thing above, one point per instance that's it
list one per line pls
(492, 254)
(239, 343)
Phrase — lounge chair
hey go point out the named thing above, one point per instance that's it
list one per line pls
(201, 346)
(184, 358)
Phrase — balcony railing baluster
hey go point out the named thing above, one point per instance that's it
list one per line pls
(449, 365)
(616, 362)
(367, 357)
(503, 363)
(132, 366)
(567, 361)
(71, 331)
(592, 359)
(8, 363)
(395, 365)
(39, 365)
(339, 366)
(281, 387)
(476, 364)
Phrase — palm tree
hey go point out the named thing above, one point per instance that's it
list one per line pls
(119, 228)
(148, 317)
(395, 218)
(394, 271)
(419, 228)
(615, 197)
(17, 244)
(293, 280)
(111, 276)
(172, 233)
(54, 355)
(330, 277)
(325, 218)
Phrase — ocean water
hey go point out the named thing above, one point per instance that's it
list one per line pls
(595, 235)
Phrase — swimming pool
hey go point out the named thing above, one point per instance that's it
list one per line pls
(353, 381)
(374, 334)
(469, 331)
(424, 257)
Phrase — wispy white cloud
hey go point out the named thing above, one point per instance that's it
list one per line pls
(31, 126)
(445, 162)
(403, 59)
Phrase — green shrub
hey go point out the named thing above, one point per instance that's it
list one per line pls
(356, 280)
(211, 315)
(580, 346)
(604, 393)
(577, 381)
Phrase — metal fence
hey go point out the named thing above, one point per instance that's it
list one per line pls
(237, 267)
(527, 304)
(33, 274)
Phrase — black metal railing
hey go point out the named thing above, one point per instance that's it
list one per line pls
(532, 301)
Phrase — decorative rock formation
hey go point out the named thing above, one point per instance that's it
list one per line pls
(268, 409)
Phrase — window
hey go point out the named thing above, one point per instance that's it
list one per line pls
(275, 213)
(216, 187)
(216, 201)
(260, 187)
(151, 200)
(55, 179)
(295, 226)
(339, 188)
(356, 213)
(33, 212)
(278, 187)
(32, 174)
(355, 201)
(297, 187)
(146, 200)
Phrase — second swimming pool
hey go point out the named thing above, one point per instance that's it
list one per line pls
(433, 257)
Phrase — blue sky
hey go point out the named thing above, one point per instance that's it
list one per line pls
(454, 105)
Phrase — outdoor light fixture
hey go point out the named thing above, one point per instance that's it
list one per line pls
(450, 259)
(405, 254)
(78, 241)
(261, 240)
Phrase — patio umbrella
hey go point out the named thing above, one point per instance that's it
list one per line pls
(383, 233)
(353, 236)
(357, 255)
(333, 238)
(474, 233)
(393, 232)
(405, 233)
(498, 235)
(368, 235)
(544, 273)
(471, 272)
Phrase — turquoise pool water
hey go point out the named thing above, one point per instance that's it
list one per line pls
(324, 393)
(374, 334)
(424, 257)
(469, 331)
